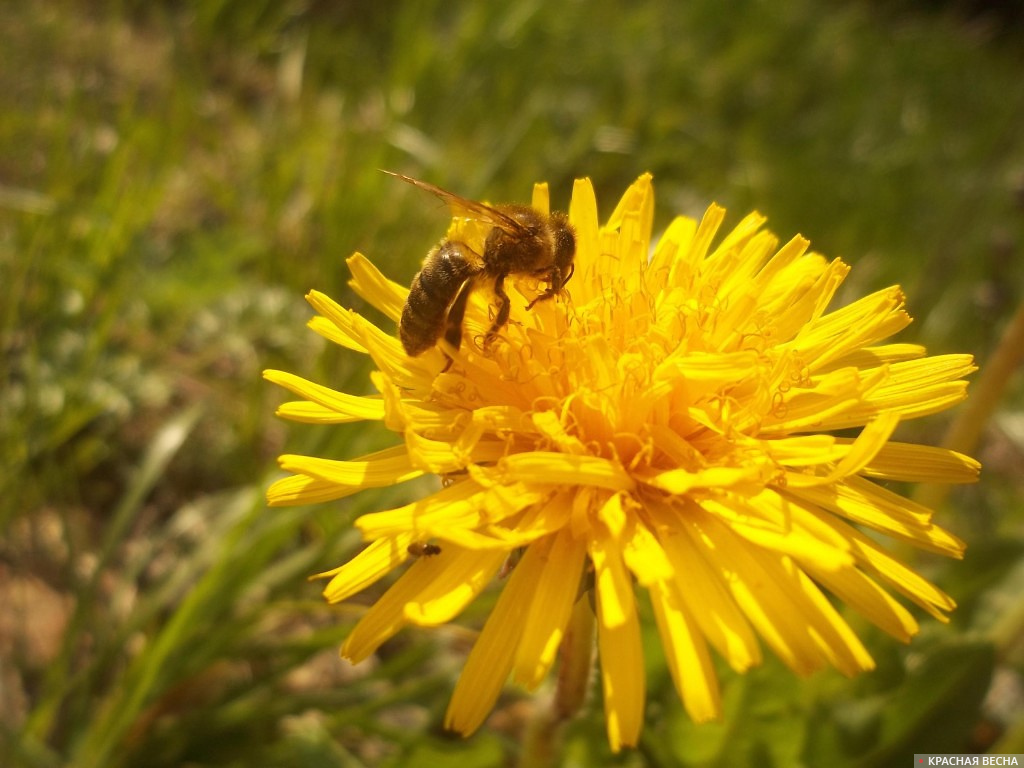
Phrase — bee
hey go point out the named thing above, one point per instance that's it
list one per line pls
(420, 549)
(521, 241)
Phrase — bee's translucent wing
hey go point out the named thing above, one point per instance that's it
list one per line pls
(463, 207)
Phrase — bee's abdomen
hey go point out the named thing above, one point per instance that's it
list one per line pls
(431, 294)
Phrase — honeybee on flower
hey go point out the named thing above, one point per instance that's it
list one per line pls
(667, 425)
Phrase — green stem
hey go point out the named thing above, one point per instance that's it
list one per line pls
(543, 732)
(576, 660)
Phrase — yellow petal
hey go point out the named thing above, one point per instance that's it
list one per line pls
(375, 561)
(583, 217)
(374, 470)
(803, 450)
(791, 538)
(872, 357)
(561, 566)
(296, 490)
(644, 555)
(673, 242)
(618, 636)
(541, 200)
(709, 224)
(836, 397)
(553, 468)
(763, 591)
(383, 620)
(681, 481)
(613, 515)
(458, 504)
(912, 388)
(911, 463)
(858, 454)
(311, 413)
(872, 557)
(780, 263)
(831, 633)
(367, 281)
(337, 324)
(871, 319)
(332, 332)
(350, 406)
(687, 655)
(708, 601)
(490, 661)
(450, 581)
(441, 457)
(864, 595)
(722, 258)
(866, 503)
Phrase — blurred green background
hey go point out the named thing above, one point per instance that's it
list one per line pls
(174, 176)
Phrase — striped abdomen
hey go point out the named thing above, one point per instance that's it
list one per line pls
(433, 290)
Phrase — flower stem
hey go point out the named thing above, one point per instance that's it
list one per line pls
(540, 743)
(576, 660)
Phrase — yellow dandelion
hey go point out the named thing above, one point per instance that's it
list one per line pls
(666, 423)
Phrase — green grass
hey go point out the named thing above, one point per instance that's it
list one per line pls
(175, 176)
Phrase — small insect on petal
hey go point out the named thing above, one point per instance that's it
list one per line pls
(421, 549)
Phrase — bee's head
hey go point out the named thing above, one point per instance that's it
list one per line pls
(565, 246)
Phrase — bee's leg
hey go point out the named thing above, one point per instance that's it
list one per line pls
(504, 307)
(453, 322)
(555, 285)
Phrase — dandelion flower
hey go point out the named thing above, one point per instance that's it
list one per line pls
(665, 426)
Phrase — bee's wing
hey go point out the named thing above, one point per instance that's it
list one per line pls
(462, 207)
